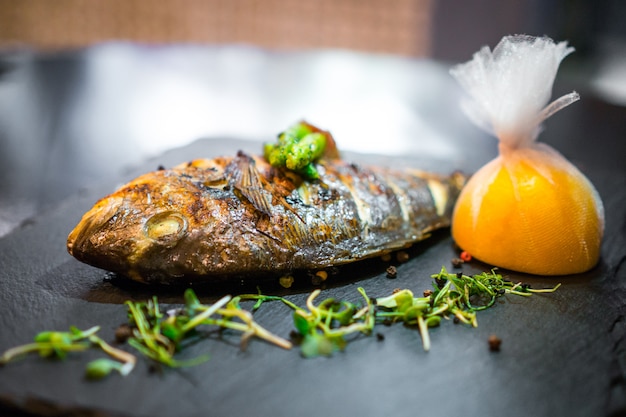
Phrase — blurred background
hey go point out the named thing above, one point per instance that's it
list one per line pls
(441, 29)
(89, 88)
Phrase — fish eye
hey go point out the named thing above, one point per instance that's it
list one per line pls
(168, 226)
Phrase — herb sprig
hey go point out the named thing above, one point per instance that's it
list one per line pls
(159, 336)
(322, 328)
(56, 344)
(454, 295)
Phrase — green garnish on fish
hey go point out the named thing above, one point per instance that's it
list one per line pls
(297, 149)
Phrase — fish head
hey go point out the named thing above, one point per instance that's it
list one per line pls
(148, 230)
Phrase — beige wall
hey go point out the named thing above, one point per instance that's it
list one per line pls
(391, 26)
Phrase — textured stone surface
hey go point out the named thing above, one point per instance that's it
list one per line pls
(562, 354)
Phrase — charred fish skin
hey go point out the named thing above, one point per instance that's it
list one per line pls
(211, 220)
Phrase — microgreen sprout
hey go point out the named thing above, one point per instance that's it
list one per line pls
(53, 344)
(245, 324)
(324, 327)
(160, 336)
(56, 344)
(102, 367)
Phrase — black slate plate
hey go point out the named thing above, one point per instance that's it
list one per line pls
(563, 354)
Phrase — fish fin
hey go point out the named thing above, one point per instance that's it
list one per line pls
(289, 207)
(246, 179)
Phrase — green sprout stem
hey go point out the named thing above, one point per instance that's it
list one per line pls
(53, 344)
(250, 327)
(58, 344)
(260, 298)
(126, 358)
(18, 351)
(200, 318)
(545, 290)
(423, 328)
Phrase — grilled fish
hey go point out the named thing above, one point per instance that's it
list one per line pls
(212, 220)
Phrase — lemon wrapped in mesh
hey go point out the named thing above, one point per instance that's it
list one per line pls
(530, 209)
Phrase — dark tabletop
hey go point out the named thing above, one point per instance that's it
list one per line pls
(74, 125)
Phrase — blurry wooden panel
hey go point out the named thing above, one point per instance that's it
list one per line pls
(398, 26)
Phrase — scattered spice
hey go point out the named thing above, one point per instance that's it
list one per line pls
(386, 257)
(457, 262)
(323, 275)
(402, 256)
(316, 281)
(465, 256)
(428, 293)
(123, 333)
(392, 272)
(494, 343)
(295, 336)
(440, 282)
(286, 281)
